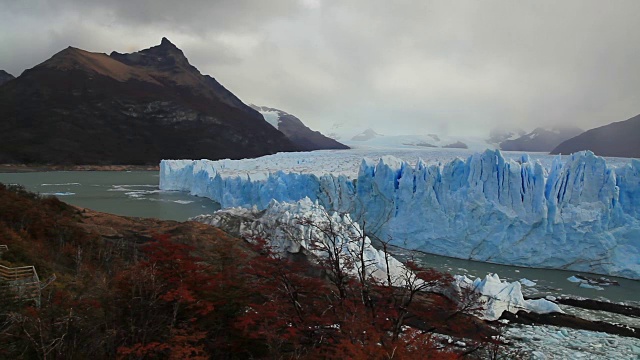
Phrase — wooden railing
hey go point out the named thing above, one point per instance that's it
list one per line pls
(21, 282)
(17, 273)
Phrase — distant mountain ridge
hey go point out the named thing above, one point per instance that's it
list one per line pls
(500, 134)
(5, 76)
(370, 138)
(618, 139)
(294, 129)
(80, 107)
(540, 139)
(366, 135)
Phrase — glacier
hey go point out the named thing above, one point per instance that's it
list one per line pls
(307, 227)
(579, 214)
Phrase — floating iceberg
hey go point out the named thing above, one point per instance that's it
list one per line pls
(500, 296)
(527, 282)
(581, 214)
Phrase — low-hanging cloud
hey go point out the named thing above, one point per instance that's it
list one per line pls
(404, 66)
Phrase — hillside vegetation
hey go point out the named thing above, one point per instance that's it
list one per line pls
(132, 288)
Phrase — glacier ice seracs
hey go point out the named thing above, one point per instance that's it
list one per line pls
(582, 214)
(305, 226)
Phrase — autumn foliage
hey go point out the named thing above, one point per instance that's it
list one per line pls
(210, 298)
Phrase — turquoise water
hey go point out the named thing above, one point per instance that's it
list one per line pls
(547, 281)
(133, 193)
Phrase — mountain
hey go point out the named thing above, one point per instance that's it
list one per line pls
(456, 145)
(366, 135)
(5, 76)
(80, 107)
(619, 139)
(500, 134)
(540, 139)
(374, 140)
(294, 129)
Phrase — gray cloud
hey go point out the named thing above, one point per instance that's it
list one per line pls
(402, 66)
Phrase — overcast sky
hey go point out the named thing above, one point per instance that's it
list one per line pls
(406, 66)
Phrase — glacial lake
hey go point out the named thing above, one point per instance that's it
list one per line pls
(136, 193)
(129, 193)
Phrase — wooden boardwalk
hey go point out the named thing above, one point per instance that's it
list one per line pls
(21, 283)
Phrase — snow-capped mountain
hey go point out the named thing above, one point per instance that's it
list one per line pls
(540, 139)
(294, 129)
(366, 135)
(417, 141)
(620, 139)
(500, 134)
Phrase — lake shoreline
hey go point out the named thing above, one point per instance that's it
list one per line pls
(26, 168)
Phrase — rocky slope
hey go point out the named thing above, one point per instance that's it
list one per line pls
(301, 135)
(619, 139)
(540, 139)
(5, 76)
(80, 107)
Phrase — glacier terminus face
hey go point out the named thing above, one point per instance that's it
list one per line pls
(580, 214)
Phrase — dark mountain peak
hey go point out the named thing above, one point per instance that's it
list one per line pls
(5, 76)
(618, 139)
(74, 59)
(65, 55)
(540, 139)
(68, 51)
(91, 108)
(163, 57)
(166, 47)
(166, 42)
(167, 64)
